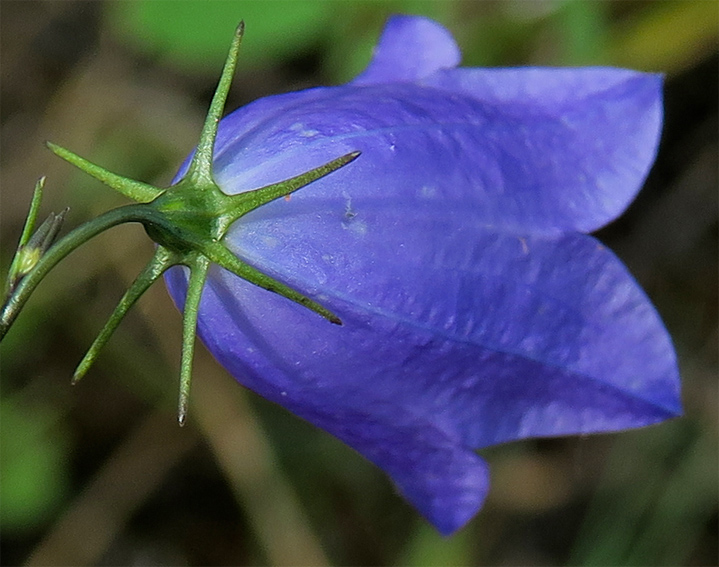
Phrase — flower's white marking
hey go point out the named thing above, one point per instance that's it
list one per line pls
(359, 228)
(270, 241)
(302, 131)
(427, 192)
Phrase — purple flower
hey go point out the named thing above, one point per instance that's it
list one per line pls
(475, 308)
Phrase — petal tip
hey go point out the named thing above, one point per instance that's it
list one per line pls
(410, 48)
(451, 489)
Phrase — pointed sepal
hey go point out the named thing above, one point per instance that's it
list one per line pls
(242, 203)
(160, 262)
(135, 190)
(199, 267)
(221, 255)
(200, 169)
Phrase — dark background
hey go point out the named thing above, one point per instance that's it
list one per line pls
(101, 474)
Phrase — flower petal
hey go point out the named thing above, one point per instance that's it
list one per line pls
(446, 481)
(455, 337)
(410, 48)
(563, 302)
(614, 117)
(531, 166)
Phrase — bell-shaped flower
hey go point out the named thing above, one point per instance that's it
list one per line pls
(475, 309)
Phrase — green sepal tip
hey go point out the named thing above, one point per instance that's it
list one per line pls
(242, 203)
(135, 190)
(160, 262)
(199, 266)
(200, 169)
(221, 255)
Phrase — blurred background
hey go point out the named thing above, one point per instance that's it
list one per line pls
(100, 474)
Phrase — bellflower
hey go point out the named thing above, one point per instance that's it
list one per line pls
(475, 309)
(441, 226)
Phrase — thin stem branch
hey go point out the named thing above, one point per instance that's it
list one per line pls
(63, 247)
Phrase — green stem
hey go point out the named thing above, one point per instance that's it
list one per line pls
(63, 247)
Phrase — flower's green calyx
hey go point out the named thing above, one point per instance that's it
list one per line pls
(188, 221)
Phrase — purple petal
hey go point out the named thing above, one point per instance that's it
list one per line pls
(530, 166)
(563, 302)
(614, 117)
(455, 337)
(410, 48)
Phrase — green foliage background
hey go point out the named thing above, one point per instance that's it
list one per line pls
(101, 474)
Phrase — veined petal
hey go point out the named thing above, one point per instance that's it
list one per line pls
(442, 477)
(409, 49)
(613, 117)
(564, 302)
(455, 337)
(531, 166)
(445, 481)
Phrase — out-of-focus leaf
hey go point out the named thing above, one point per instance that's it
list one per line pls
(193, 33)
(584, 31)
(33, 468)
